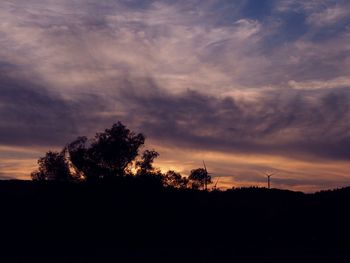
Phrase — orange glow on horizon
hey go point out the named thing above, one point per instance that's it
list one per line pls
(233, 170)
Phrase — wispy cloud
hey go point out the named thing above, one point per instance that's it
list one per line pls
(329, 16)
(341, 82)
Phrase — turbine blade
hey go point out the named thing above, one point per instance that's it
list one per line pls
(205, 168)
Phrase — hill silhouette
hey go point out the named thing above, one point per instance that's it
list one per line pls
(132, 220)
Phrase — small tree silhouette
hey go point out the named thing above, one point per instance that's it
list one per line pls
(145, 165)
(174, 179)
(145, 170)
(199, 177)
(53, 166)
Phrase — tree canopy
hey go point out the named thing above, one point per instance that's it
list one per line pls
(174, 179)
(107, 154)
(53, 166)
(145, 165)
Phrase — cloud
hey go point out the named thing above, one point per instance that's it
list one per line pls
(211, 47)
(341, 82)
(329, 16)
(17, 162)
(74, 49)
(32, 115)
(291, 123)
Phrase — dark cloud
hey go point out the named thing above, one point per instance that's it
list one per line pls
(294, 123)
(31, 115)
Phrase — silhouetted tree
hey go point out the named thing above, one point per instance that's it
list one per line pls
(107, 154)
(145, 165)
(199, 177)
(115, 148)
(146, 171)
(53, 166)
(174, 179)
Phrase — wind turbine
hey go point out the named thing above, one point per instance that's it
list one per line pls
(268, 174)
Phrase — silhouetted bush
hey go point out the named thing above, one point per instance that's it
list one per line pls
(53, 166)
(174, 179)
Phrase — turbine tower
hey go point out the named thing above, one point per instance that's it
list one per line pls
(216, 183)
(206, 177)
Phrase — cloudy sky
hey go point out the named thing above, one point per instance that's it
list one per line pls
(245, 85)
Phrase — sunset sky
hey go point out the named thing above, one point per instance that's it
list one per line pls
(245, 85)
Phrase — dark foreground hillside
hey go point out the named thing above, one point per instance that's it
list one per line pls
(131, 221)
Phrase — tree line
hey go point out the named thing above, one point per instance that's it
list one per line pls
(114, 153)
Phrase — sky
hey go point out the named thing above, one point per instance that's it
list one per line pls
(248, 86)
